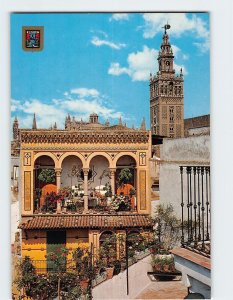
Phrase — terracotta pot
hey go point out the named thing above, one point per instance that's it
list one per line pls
(157, 268)
(110, 271)
(172, 268)
(166, 268)
(84, 284)
(59, 207)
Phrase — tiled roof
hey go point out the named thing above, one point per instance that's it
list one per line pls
(87, 221)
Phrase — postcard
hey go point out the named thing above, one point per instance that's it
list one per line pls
(110, 155)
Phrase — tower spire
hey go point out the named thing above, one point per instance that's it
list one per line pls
(143, 124)
(166, 94)
(15, 129)
(34, 126)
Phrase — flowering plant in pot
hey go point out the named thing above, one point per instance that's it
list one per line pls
(84, 268)
(120, 203)
(107, 253)
(51, 200)
(167, 235)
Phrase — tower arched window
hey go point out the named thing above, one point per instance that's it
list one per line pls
(167, 64)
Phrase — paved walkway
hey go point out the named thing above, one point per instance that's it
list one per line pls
(164, 290)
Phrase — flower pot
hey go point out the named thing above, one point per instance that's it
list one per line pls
(84, 284)
(166, 269)
(157, 268)
(110, 271)
(172, 268)
(58, 207)
(109, 201)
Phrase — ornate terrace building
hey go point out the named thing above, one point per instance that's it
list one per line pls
(166, 95)
(87, 158)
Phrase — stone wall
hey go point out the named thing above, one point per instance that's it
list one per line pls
(194, 151)
(116, 287)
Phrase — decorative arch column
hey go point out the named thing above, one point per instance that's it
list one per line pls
(58, 178)
(85, 183)
(113, 175)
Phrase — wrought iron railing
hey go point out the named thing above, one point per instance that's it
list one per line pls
(195, 206)
(45, 266)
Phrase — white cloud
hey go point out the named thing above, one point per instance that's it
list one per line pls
(84, 92)
(79, 102)
(100, 32)
(178, 67)
(203, 47)
(98, 42)
(116, 69)
(140, 64)
(119, 17)
(176, 50)
(178, 53)
(180, 24)
(15, 105)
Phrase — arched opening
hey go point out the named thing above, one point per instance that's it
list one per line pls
(72, 184)
(126, 175)
(71, 173)
(44, 180)
(108, 248)
(99, 181)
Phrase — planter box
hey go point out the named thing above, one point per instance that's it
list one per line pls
(110, 272)
(99, 279)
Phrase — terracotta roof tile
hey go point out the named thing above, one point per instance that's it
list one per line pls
(86, 221)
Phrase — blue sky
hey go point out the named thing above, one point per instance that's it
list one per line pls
(101, 63)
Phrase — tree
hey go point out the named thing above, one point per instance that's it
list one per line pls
(58, 283)
(47, 176)
(168, 227)
(124, 177)
(38, 287)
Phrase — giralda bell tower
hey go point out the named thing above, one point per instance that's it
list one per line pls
(167, 94)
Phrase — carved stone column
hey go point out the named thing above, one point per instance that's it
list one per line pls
(112, 174)
(85, 172)
(58, 178)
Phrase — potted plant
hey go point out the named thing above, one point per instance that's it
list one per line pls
(167, 236)
(132, 193)
(108, 193)
(47, 176)
(84, 268)
(124, 177)
(107, 253)
(120, 203)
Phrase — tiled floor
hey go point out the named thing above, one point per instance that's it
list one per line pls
(164, 290)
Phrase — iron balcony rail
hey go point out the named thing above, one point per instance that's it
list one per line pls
(195, 205)
(44, 266)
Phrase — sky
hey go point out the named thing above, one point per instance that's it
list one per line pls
(101, 62)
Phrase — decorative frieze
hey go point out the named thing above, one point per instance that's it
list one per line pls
(79, 148)
(62, 136)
